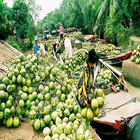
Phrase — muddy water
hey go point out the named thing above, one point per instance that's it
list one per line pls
(119, 68)
(132, 88)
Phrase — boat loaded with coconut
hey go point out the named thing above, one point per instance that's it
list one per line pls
(120, 104)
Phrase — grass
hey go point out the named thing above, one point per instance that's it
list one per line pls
(30, 51)
(21, 45)
(14, 43)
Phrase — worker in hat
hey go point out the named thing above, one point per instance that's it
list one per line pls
(68, 46)
(36, 46)
(86, 81)
(61, 31)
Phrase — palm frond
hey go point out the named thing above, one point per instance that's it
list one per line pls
(116, 4)
(103, 9)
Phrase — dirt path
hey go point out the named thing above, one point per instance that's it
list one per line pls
(26, 132)
(23, 132)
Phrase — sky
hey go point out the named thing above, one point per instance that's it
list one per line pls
(47, 5)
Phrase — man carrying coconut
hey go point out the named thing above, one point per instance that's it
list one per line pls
(68, 46)
(42, 48)
(86, 81)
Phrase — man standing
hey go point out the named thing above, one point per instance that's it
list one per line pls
(68, 47)
(61, 30)
(36, 46)
(42, 48)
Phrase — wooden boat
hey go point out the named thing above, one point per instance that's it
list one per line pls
(119, 108)
(115, 60)
(119, 59)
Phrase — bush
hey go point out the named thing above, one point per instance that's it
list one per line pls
(14, 43)
(5, 22)
(115, 31)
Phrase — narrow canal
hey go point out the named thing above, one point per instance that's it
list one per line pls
(133, 89)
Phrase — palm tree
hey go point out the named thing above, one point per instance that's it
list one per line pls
(89, 10)
(106, 10)
(108, 7)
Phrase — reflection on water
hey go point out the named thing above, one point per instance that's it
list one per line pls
(134, 90)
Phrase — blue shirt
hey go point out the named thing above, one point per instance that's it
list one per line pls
(35, 48)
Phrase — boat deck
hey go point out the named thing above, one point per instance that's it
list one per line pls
(117, 107)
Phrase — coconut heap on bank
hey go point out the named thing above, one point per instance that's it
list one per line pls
(43, 93)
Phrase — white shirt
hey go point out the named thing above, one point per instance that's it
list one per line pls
(68, 47)
(42, 48)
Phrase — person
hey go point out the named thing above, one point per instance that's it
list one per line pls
(42, 47)
(61, 31)
(47, 38)
(36, 46)
(86, 81)
(68, 46)
(68, 33)
(55, 49)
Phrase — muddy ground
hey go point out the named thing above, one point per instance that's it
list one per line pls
(23, 132)
(26, 132)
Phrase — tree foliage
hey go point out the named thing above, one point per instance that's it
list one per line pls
(24, 16)
(5, 21)
(115, 20)
(34, 9)
(115, 31)
(20, 17)
(133, 12)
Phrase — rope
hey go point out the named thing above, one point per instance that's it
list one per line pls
(104, 111)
